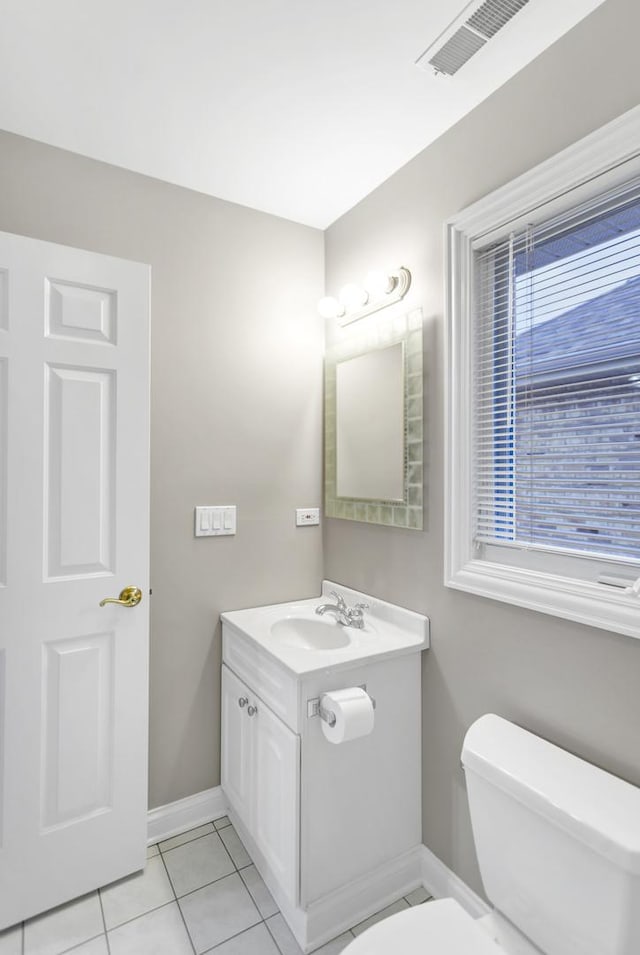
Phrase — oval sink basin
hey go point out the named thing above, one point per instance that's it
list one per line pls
(306, 633)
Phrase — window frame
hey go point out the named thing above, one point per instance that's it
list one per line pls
(603, 161)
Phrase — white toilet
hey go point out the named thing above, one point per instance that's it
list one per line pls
(558, 844)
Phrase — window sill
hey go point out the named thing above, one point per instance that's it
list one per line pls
(593, 604)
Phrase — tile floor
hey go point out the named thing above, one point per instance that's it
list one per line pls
(199, 893)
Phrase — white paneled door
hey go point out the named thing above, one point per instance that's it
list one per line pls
(74, 499)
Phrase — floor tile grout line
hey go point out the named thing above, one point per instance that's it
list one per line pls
(264, 917)
(168, 874)
(246, 888)
(187, 842)
(228, 851)
(275, 940)
(205, 885)
(229, 823)
(231, 937)
(162, 852)
(104, 921)
(74, 948)
(233, 861)
(184, 922)
(251, 862)
(155, 908)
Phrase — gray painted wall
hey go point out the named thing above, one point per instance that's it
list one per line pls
(575, 685)
(236, 411)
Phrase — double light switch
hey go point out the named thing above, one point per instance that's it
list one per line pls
(215, 521)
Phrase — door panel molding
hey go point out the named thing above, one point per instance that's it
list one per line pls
(82, 312)
(77, 728)
(80, 435)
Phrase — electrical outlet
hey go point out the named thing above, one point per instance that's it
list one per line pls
(307, 515)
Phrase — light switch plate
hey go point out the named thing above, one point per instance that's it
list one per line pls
(215, 521)
(307, 515)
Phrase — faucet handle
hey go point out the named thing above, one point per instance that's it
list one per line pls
(340, 599)
(356, 615)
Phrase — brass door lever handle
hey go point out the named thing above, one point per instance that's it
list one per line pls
(129, 597)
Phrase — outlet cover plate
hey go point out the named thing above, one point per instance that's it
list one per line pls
(307, 515)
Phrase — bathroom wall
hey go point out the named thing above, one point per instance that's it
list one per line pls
(236, 411)
(575, 685)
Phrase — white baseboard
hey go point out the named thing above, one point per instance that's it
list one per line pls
(442, 883)
(177, 817)
(364, 896)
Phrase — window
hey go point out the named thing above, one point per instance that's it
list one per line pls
(544, 388)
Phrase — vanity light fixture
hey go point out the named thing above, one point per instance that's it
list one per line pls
(357, 301)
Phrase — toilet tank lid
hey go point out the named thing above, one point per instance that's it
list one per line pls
(595, 807)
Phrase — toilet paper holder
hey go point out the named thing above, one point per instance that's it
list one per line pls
(314, 708)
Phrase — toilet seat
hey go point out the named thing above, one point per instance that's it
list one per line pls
(433, 928)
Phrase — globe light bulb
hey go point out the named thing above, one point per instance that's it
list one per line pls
(353, 296)
(379, 283)
(330, 307)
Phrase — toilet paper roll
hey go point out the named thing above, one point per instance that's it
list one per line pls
(353, 710)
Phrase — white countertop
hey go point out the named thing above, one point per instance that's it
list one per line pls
(388, 630)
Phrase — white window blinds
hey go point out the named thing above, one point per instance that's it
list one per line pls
(557, 384)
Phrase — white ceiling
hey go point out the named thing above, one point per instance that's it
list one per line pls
(295, 108)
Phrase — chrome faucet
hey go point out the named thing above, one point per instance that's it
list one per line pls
(347, 616)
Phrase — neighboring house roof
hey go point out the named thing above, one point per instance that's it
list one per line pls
(582, 342)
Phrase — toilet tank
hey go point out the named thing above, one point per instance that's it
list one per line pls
(558, 841)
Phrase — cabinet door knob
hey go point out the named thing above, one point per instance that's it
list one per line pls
(242, 701)
(252, 710)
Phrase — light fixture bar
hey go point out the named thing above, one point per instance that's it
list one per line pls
(379, 290)
(401, 282)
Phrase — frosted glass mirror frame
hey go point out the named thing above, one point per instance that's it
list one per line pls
(375, 335)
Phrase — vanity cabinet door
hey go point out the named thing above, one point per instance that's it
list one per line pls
(261, 778)
(237, 745)
(276, 821)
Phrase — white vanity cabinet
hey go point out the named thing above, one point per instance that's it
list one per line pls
(261, 777)
(334, 829)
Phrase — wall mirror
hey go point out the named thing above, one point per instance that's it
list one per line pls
(373, 422)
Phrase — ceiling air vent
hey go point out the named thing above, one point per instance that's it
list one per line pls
(492, 15)
(456, 51)
(461, 40)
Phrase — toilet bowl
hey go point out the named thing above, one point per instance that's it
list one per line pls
(434, 928)
(558, 845)
(440, 928)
